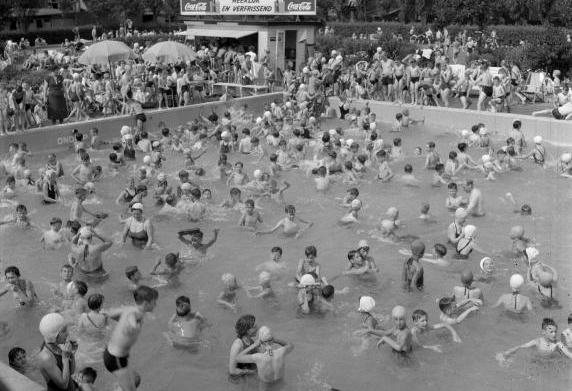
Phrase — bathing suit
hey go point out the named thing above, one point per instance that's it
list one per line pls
(52, 193)
(398, 77)
(139, 238)
(488, 90)
(51, 386)
(113, 363)
(386, 80)
(462, 94)
(129, 152)
(414, 79)
(538, 159)
(459, 250)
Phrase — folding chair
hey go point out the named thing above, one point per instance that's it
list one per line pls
(533, 87)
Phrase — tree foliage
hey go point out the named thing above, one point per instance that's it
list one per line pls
(111, 13)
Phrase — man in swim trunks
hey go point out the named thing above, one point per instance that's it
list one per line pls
(290, 224)
(475, 207)
(124, 336)
(387, 66)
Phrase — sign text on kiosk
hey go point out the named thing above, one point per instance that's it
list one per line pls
(248, 7)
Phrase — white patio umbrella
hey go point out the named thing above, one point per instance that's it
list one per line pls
(169, 52)
(106, 52)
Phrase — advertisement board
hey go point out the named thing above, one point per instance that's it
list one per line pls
(248, 7)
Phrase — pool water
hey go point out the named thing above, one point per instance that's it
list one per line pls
(326, 351)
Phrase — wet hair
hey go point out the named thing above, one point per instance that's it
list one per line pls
(290, 208)
(95, 301)
(462, 147)
(570, 318)
(439, 167)
(548, 322)
(516, 124)
(373, 136)
(397, 141)
(235, 191)
(74, 226)
(418, 314)
(182, 300)
(67, 266)
(431, 144)
(469, 182)
(171, 259)
(165, 132)
(78, 136)
(328, 291)
(55, 220)
(145, 294)
(425, 207)
(525, 210)
(408, 168)
(140, 188)
(12, 269)
(196, 192)
(14, 353)
(353, 191)
(452, 155)
(243, 324)
(207, 190)
(10, 179)
(475, 128)
(362, 158)
(273, 157)
(398, 116)
(81, 287)
(351, 254)
(440, 249)
(311, 250)
(322, 171)
(21, 208)
(348, 165)
(276, 249)
(144, 134)
(326, 138)
(381, 154)
(113, 157)
(445, 303)
(88, 374)
(241, 164)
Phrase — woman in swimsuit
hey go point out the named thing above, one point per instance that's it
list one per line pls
(18, 105)
(246, 330)
(445, 78)
(139, 229)
(50, 189)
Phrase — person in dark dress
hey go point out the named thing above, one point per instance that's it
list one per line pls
(55, 99)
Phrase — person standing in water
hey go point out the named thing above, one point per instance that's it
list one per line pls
(291, 224)
(124, 336)
(138, 228)
(86, 256)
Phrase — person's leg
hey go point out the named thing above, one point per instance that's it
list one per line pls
(482, 98)
(126, 379)
(445, 97)
(541, 112)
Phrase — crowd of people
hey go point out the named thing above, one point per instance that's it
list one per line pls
(287, 140)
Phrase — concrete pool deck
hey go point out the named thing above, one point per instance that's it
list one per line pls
(14, 381)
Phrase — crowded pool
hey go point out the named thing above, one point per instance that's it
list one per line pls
(327, 352)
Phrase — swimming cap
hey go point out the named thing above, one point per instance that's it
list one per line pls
(288, 104)
(483, 131)
(467, 277)
(27, 173)
(258, 120)
(398, 311)
(517, 231)
(332, 132)
(50, 326)
(273, 105)
(483, 261)
(264, 334)
(362, 243)
(89, 186)
(225, 134)
(186, 186)
(312, 119)
(417, 248)
(460, 213)
(138, 206)
(227, 278)
(516, 281)
(161, 177)
(387, 225)
(465, 133)
(469, 231)
(85, 232)
(267, 114)
(378, 49)
(257, 174)
(356, 204)
(264, 276)
(307, 280)
(156, 143)
(366, 304)
(392, 212)
(306, 70)
(531, 253)
(147, 159)
(566, 157)
(486, 158)
(349, 142)
(545, 279)
(125, 130)
(537, 139)
(127, 137)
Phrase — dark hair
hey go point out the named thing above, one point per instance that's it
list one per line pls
(243, 324)
(12, 269)
(348, 165)
(351, 254)
(145, 294)
(452, 155)
(431, 144)
(289, 208)
(452, 185)
(276, 249)
(196, 192)
(570, 318)
(548, 322)
(516, 124)
(311, 250)
(94, 301)
(445, 303)
(249, 202)
(462, 147)
(440, 249)
(89, 373)
(171, 259)
(81, 287)
(165, 132)
(235, 190)
(130, 271)
(15, 351)
(21, 208)
(418, 314)
(397, 141)
(328, 291)
(273, 157)
(439, 167)
(408, 168)
(182, 300)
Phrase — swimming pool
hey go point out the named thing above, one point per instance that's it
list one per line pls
(325, 349)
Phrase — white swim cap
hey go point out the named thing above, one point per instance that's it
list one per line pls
(517, 231)
(85, 232)
(378, 49)
(156, 144)
(89, 186)
(332, 132)
(147, 159)
(362, 243)
(486, 158)
(483, 261)
(566, 157)
(366, 304)
(464, 133)
(356, 204)
(138, 206)
(516, 281)
(257, 174)
(305, 70)
(267, 114)
(125, 130)
(128, 136)
(259, 120)
(460, 213)
(537, 139)
(161, 177)
(186, 186)
(392, 212)
(483, 131)
(469, 231)
(349, 142)
(264, 276)
(531, 253)
(225, 134)
(264, 334)
(387, 225)
(273, 105)
(312, 119)
(372, 126)
(339, 58)
(187, 150)
(307, 280)
(288, 104)
(50, 326)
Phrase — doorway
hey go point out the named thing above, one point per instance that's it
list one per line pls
(290, 48)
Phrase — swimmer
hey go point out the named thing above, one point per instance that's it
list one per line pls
(389, 226)
(438, 176)
(264, 289)
(453, 313)
(421, 326)
(23, 290)
(408, 179)
(437, 256)
(85, 255)
(432, 158)
(270, 358)
(537, 154)
(487, 266)
(291, 224)
(322, 180)
(519, 241)
(524, 210)
(234, 200)
(53, 238)
(19, 219)
(468, 292)
(515, 302)
(60, 290)
(384, 172)
(124, 336)
(134, 277)
(184, 326)
(453, 200)
(195, 243)
(250, 217)
(475, 206)
(237, 177)
(351, 194)
(308, 293)
(467, 243)
(543, 276)
(352, 215)
(565, 165)
(93, 322)
(83, 173)
(425, 215)
(274, 266)
(18, 361)
(85, 379)
(9, 191)
(545, 345)
(566, 336)
(412, 268)
(77, 304)
(369, 324)
(170, 270)
(77, 210)
(452, 166)
(229, 296)
(402, 341)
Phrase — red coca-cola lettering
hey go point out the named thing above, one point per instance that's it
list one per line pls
(302, 6)
(196, 7)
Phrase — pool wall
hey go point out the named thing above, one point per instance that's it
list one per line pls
(558, 133)
(14, 381)
(60, 137)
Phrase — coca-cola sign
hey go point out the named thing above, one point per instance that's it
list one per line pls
(248, 7)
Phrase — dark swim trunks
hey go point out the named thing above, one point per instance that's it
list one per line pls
(113, 363)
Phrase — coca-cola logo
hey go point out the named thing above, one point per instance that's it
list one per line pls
(302, 6)
(196, 7)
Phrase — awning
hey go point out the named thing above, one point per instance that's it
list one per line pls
(220, 32)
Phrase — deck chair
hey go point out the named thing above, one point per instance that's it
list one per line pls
(533, 87)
